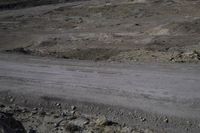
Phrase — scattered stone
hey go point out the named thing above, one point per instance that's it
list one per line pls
(56, 116)
(166, 120)
(143, 119)
(71, 128)
(148, 131)
(64, 113)
(2, 106)
(81, 122)
(32, 131)
(24, 110)
(126, 130)
(34, 112)
(102, 121)
(137, 24)
(56, 124)
(70, 123)
(73, 107)
(189, 123)
(9, 125)
(58, 104)
(108, 130)
(72, 112)
(43, 113)
(199, 125)
(12, 100)
(35, 109)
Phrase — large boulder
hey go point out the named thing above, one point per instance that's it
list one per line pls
(9, 125)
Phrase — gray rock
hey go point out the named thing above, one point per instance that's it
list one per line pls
(2, 106)
(102, 121)
(148, 131)
(72, 128)
(126, 130)
(9, 125)
(81, 122)
(32, 131)
(166, 120)
(73, 107)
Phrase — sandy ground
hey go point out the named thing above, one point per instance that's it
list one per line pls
(125, 31)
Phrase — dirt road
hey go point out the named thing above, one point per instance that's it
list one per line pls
(148, 94)
(171, 89)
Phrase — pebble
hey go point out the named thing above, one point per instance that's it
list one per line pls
(42, 113)
(199, 125)
(64, 113)
(2, 106)
(73, 107)
(56, 116)
(12, 100)
(102, 121)
(166, 120)
(148, 131)
(142, 119)
(72, 112)
(35, 109)
(32, 131)
(58, 104)
(33, 112)
(81, 122)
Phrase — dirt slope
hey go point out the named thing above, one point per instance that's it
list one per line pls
(115, 30)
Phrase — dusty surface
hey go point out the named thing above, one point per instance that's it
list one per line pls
(152, 93)
(113, 30)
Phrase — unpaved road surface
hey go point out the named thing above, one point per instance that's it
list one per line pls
(170, 90)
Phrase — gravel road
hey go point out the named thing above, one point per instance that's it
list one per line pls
(171, 89)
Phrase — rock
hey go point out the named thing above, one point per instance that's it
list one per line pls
(24, 110)
(56, 116)
(42, 113)
(142, 119)
(81, 122)
(58, 104)
(9, 125)
(108, 130)
(166, 120)
(102, 121)
(73, 107)
(32, 131)
(126, 130)
(34, 112)
(189, 123)
(72, 112)
(148, 131)
(71, 128)
(64, 113)
(199, 125)
(2, 106)
(12, 100)
(35, 109)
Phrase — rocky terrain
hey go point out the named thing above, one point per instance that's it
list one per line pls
(112, 30)
(127, 31)
(16, 119)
